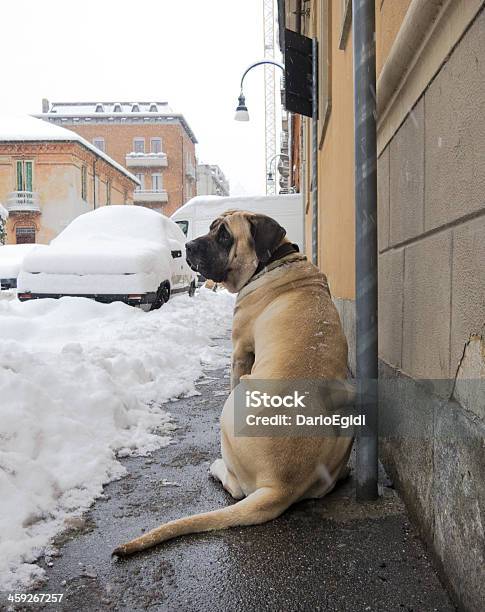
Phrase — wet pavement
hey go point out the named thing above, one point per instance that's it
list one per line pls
(331, 554)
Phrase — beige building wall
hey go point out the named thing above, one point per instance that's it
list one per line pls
(431, 184)
(336, 167)
(389, 17)
(336, 227)
(431, 228)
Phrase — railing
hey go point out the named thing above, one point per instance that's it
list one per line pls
(146, 160)
(150, 195)
(23, 201)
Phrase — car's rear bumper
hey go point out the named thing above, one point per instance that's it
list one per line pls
(105, 298)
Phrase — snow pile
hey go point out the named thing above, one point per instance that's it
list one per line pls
(81, 383)
(12, 256)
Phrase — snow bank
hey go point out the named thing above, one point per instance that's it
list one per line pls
(81, 383)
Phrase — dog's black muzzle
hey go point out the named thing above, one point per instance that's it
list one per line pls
(204, 257)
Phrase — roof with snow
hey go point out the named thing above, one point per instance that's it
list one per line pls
(88, 108)
(24, 128)
(111, 111)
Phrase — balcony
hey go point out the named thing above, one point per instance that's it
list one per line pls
(23, 201)
(190, 171)
(147, 196)
(146, 160)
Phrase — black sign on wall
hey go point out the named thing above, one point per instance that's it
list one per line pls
(298, 73)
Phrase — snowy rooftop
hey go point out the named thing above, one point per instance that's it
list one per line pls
(109, 111)
(23, 128)
(88, 108)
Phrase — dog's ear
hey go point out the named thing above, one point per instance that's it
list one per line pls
(267, 235)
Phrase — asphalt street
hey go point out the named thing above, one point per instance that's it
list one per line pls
(332, 554)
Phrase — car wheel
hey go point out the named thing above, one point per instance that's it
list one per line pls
(192, 289)
(163, 295)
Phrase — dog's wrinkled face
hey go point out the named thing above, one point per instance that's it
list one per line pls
(235, 245)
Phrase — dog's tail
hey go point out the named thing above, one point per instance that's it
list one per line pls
(261, 506)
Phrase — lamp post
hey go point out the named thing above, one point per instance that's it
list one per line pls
(270, 117)
(269, 176)
(242, 110)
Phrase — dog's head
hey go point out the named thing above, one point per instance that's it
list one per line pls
(237, 242)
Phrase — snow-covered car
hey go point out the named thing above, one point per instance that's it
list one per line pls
(11, 259)
(115, 253)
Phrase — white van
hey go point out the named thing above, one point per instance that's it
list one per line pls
(195, 217)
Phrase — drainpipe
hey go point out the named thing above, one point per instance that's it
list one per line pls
(94, 184)
(183, 171)
(314, 178)
(366, 244)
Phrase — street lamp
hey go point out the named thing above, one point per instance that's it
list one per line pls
(269, 176)
(242, 110)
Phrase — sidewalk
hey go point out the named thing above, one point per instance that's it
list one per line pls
(331, 554)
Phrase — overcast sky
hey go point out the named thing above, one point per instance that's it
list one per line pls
(190, 53)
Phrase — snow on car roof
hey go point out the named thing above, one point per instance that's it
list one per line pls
(116, 223)
(24, 128)
(119, 239)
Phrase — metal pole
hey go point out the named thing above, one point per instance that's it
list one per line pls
(94, 184)
(314, 179)
(366, 242)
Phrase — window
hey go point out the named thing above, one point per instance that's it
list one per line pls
(184, 226)
(98, 142)
(108, 193)
(117, 108)
(153, 108)
(156, 145)
(84, 183)
(25, 235)
(141, 178)
(157, 184)
(99, 108)
(24, 175)
(139, 145)
(135, 108)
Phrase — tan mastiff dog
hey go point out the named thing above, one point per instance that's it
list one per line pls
(285, 327)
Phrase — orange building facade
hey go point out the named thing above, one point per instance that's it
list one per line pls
(147, 138)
